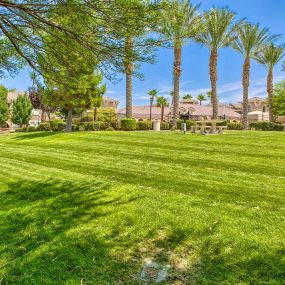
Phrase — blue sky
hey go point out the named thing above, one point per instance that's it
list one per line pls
(195, 77)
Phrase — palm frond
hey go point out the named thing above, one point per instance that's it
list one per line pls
(270, 55)
(251, 39)
(179, 21)
(219, 28)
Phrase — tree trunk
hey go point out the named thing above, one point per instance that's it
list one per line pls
(129, 67)
(213, 79)
(162, 113)
(176, 77)
(68, 127)
(245, 84)
(42, 116)
(200, 103)
(95, 114)
(270, 94)
(150, 109)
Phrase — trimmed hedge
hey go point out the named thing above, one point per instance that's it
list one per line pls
(164, 126)
(109, 129)
(31, 129)
(128, 124)
(144, 125)
(116, 125)
(267, 126)
(93, 126)
(234, 126)
(44, 127)
(57, 125)
(189, 123)
(20, 130)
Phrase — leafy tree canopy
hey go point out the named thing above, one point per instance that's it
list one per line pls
(279, 99)
(97, 27)
(4, 107)
(22, 110)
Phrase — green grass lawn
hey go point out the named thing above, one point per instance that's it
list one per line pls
(90, 208)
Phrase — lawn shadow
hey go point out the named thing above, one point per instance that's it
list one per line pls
(29, 136)
(223, 263)
(51, 234)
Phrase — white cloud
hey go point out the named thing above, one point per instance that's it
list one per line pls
(111, 92)
(228, 92)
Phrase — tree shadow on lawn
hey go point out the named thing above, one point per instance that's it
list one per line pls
(51, 234)
(30, 136)
(215, 261)
(57, 232)
(223, 263)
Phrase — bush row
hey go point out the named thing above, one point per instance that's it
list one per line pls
(132, 125)
(267, 126)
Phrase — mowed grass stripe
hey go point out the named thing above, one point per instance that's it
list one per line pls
(199, 159)
(93, 205)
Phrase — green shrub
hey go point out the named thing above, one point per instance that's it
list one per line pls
(76, 121)
(223, 123)
(61, 126)
(109, 129)
(93, 126)
(268, 126)
(144, 125)
(87, 119)
(115, 125)
(75, 127)
(189, 123)
(83, 126)
(44, 127)
(31, 129)
(97, 126)
(57, 125)
(234, 126)
(164, 126)
(252, 126)
(20, 130)
(128, 124)
(104, 126)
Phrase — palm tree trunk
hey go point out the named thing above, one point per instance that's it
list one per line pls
(150, 109)
(162, 113)
(95, 114)
(270, 94)
(214, 78)
(68, 127)
(200, 103)
(176, 77)
(129, 67)
(245, 84)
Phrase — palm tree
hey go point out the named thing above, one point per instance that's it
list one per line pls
(269, 56)
(201, 98)
(179, 21)
(187, 96)
(152, 94)
(209, 95)
(162, 102)
(129, 68)
(218, 32)
(249, 42)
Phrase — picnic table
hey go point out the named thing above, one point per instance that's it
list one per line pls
(208, 127)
